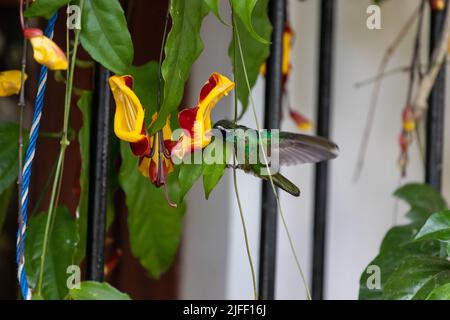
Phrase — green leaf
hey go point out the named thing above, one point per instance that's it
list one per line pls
(44, 8)
(189, 173)
(91, 290)
(84, 135)
(397, 245)
(423, 199)
(437, 227)
(9, 133)
(183, 47)
(416, 277)
(145, 85)
(214, 6)
(5, 199)
(59, 256)
(440, 293)
(105, 36)
(216, 156)
(154, 227)
(254, 52)
(246, 11)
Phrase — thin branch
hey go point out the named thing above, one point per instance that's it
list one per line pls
(376, 91)
(438, 57)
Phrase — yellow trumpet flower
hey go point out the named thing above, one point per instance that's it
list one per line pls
(10, 82)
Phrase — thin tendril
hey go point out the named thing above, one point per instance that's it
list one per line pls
(252, 103)
(236, 190)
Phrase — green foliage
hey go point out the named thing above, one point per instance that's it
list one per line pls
(216, 157)
(105, 36)
(154, 227)
(412, 269)
(437, 227)
(59, 256)
(214, 6)
(440, 293)
(183, 47)
(91, 290)
(246, 11)
(189, 173)
(44, 8)
(254, 52)
(5, 198)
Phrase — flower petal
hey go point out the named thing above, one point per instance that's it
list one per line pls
(300, 120)
(10, 82)
(47, 52)
(129, 116)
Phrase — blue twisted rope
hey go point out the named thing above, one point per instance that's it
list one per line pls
(26, 173)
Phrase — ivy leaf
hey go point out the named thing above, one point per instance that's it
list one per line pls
(154, 227)
(423, 199)
(44, 8)
(103, 22)
(9, 133)
(254, 52)
(145, 85)
(437, 227)
(214, 6)
(60, 251)
(85, 105)
(397, 245)
(416, 278)
(183, 47)
(216, 157)
(189, 173)
(91, 290)
(246, 11)
(440, 293)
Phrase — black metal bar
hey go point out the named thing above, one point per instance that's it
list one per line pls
(272, 117)
(98, 166)
(323, 129)
(436, 103)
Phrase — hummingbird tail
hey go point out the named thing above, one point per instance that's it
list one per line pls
(282, 182)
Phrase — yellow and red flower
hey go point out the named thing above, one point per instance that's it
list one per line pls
(45, 51)
(153, 152)
(10, 82)
(196, 121)
(303, 123)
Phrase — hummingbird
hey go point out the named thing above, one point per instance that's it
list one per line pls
(292, 148)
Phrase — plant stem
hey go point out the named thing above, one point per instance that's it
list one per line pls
(252, 103)
(60, 164)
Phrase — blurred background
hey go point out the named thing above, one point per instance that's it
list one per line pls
(212, 262)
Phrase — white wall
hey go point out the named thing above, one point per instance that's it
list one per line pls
(214, 263)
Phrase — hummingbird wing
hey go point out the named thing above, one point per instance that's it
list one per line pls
(295, 148)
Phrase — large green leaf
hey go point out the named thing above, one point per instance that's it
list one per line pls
(254, 52)
(105, 36)
(85, 106)
(440, 293)
(44, 8)
(396, 246)
(145, 85)
(9, 133)
(214, 6)
(91, 290)
(423, 199)
(437, 227)
(189, 173)
(183, 47)
(60, 253)
(154, 227)
(216, 156)
(246, 11)
(416, 278)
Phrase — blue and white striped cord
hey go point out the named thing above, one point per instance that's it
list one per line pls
(26, 173)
